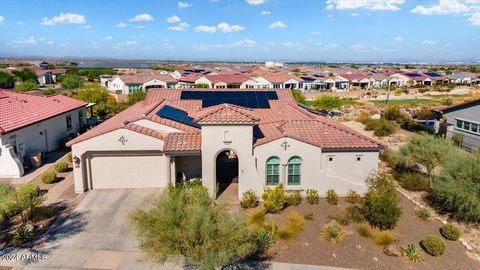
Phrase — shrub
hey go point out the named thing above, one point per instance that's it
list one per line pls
(353, 197)
(332, 197)
(364, 230)
(23, 234)
(341, 218)
(27, 200)
(274, 199)
(249, 199)
(392, 113)
(295, 222)
(380, 205)
(257, 218)
(286, 234)
(355, 214)
(60, 166)
(312, 196)
(412, 252)
(293, 199)
(423, 213)
(333, 233)
(308, 216)
(414, 181)
(411, 125)
(72, 82)
(433, 245)
(380, 127)
(451, 232)
(392, 158)
(384, 238)
(49, 177)
(26, 86)
(187, 222)
(70, 157)
(265, 239)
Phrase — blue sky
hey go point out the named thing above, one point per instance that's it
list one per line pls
(309, 30)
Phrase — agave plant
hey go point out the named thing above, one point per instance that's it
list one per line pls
(412, 252)
(423, 213)
(23, 234)
(333, 233)
(265, 239)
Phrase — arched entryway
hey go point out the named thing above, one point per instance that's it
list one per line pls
(227, 173)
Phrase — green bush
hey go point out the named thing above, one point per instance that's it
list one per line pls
(333, 233)
(23, 234)
(332, 197)
(249, 199)
(423, 213)
(274, 199)
(380, 205)
(451, 232)
(412, 252)
(188, 223)
(70, 157)
(308, 216)
(413, 181)
(293, 199)
(383, 238)
(6, 198)
(353, 197)
(380, 127)
(411, 125)
(433, 245)
(257, 218)
(27, 200)
(49, 177)
(72, 82)
(312, 196)
(26, 86)
(364, 230)
(294, 226)
(341, 218)
(392, 113)
(354, 213)
(60, 166)
(265, 239)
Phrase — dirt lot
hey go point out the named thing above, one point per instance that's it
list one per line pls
(359, 252)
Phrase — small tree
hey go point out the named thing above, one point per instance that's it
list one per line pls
(186, 222)
(28, 198)
(26, 86)
(380, 204)
(72, 82)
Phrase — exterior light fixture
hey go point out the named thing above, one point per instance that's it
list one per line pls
(76, 161)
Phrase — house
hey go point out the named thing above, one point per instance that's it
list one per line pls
(359, 80)
(281, 80)
(44, 76)
(461, 122)
(223, 81)
(416, 78)
(243, 139)
(32, 123)
(126, 84)
(437, 78)
(399, 79)
(312, 84)
(462, 78)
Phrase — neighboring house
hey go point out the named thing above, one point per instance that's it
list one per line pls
(251, 139)
(437, 78)
(57, 72)
(359, 80)
(44, 76)
(224, 81)
(418, 78)
(126, 84)
(282, 80)
(105, 80)
(32, 123)
(462, 78)
(398, 79)
(312, 84)
(461, 121)
(188, 81)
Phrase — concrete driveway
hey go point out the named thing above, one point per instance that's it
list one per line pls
(97, 235)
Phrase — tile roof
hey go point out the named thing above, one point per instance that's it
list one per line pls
(226, 113)
(276, 77)
(18, 110)
(284, 118)
(183, 142)
(228, 78)
(145, 77)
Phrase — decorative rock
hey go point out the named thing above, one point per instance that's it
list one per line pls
(392, 250)
(375, 259)
(358, 246)
(334, 255)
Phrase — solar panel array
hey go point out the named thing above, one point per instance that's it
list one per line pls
(413, 74)
(248, 99)
(177, 115)
(433, 74)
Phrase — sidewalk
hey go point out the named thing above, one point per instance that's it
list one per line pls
(56, 192)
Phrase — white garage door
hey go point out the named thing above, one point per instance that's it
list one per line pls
(132, 171)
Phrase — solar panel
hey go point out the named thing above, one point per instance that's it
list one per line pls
(433, 74)
(249, 99)
(177, 115)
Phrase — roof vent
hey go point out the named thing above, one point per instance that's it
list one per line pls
(56, 101)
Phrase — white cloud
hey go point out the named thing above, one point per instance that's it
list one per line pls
(173, 19)
(293, 45)
(354, 14)
(244, 43)
(317, 33)
(120, 25)
(107, 38)
(2, 19)
(125, 45)
(365, 4)
(50, 42)
(475, 19)
(205, 29)
(20, 23)
(65, 18)
(327, 47)
(87, 27)
(277, 24)
(42, 39)
(64, 45)
(362, 48)
(183, 5)
(140, 26)
(443, 7)
(142, 18)
(256, 2)
(30, 40)
(429, 42)
(330, 16)
(398, 39)
(180, 27)
(226, 28)
(265, 12)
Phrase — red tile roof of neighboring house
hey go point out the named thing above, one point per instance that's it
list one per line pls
(190, 78)
(18, 110)
(418, 77)
(183, 142)
(228, 78)
(284, 118)
(40, 71)
(276, 77)
(354, 76)
(58, 71)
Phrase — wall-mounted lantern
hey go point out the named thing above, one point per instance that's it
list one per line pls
(76, 161)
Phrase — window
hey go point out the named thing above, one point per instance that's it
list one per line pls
(459, 123)
(69, 121)
(468, 126)
(273, 171)
(294, 164)
(80, 117)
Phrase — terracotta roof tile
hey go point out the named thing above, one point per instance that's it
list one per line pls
(226, 113)
(19, 110)
(183, 142)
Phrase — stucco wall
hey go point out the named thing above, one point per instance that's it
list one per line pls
(110, 142)
(472, 114)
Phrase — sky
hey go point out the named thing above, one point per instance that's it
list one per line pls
(243, 30)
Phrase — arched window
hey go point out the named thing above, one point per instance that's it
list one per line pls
(294, 169)
(273, 171)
